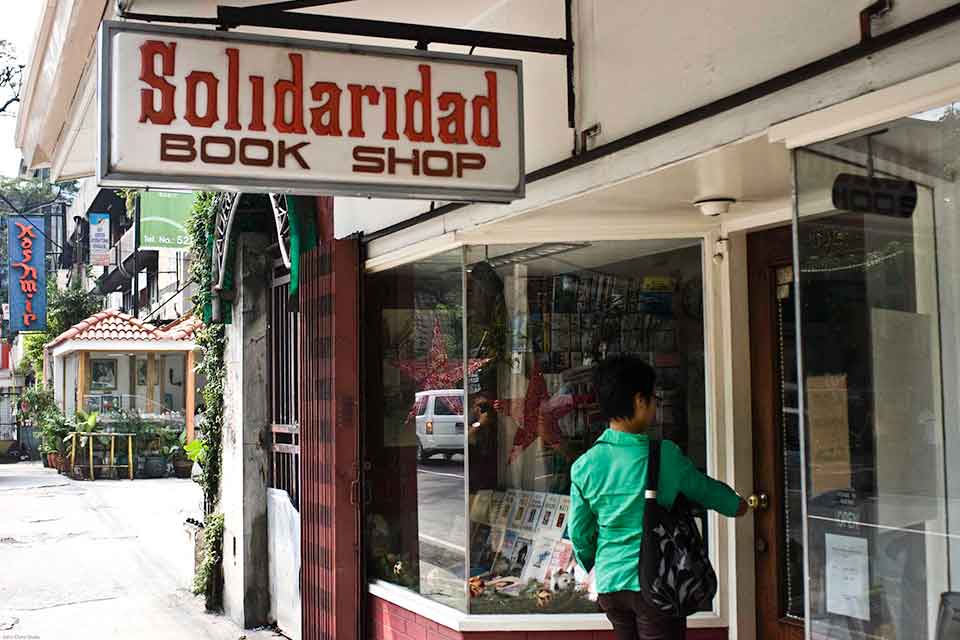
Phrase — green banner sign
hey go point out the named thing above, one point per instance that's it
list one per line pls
(163, 219)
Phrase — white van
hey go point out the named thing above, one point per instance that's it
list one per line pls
(439, 416)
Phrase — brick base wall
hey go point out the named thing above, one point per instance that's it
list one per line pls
(390, 622)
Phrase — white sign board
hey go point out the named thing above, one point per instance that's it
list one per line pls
(848, 576)
(99, 239)
(208, 109)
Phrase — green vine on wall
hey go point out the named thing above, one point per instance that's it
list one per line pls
(209, 575)
(212, 342)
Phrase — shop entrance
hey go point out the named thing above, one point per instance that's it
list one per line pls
(776, 452)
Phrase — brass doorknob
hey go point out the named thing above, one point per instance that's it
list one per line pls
(759, 501)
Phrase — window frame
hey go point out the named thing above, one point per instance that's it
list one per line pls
(719, 434)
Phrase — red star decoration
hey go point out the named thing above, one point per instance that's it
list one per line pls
(438, 371)
(534, 412)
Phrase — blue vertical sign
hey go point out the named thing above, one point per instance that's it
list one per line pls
(28, 273)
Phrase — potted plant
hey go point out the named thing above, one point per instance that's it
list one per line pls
(182, 465)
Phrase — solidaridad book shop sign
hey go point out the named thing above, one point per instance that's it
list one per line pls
(207, 109)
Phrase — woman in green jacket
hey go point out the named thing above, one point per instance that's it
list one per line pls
(607, 498)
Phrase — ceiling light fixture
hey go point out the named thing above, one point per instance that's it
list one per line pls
(714, 206)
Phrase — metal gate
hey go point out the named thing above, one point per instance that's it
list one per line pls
(331, 584)
(284, 386)
(8, 421)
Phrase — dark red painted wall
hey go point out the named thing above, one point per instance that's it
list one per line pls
(390, 622)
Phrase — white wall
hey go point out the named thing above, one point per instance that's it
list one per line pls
(641, 63)
(283, 540)
(71, 364)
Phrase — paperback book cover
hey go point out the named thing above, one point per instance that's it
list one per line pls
(480, 506)
(496, 503)
(487, 553)
(532, 519)
(560, 520)
(504, 559)
(550, 504)
(561, 559)
(480, 555)
(507, 508)
(522, 550)
(540, 559)
(520, 512)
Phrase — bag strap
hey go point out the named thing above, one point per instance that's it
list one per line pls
(653, 469)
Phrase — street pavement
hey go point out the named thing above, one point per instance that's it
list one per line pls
(442, 529)
(100, 560)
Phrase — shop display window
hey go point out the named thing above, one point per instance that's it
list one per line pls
(525, 325)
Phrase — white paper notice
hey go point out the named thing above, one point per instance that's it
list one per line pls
(848, 576)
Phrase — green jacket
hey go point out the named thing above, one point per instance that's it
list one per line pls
(607, 503)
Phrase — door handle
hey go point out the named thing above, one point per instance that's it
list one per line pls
(759, 501)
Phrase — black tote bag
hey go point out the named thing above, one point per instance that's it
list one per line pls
(676, 577)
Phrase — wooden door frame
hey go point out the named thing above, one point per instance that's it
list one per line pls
(766, 251)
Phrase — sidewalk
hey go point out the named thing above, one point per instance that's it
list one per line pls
(100, 560)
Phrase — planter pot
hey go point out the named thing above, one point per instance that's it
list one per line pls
(182, 467)
(154, 466)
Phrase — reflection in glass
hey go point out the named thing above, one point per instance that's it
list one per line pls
(415, 428)
(871, 285)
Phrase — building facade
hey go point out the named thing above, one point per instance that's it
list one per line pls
(756, 198)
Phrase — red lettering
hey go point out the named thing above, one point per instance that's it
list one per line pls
(293, 88)
(390, 126)
(445, 171)
(411, 99)
(294, 151)
(488, 103)
(253, 143)
(371, 159)
(256, 104)
(210, 114)
(167, 53)
(233, 89)
(329, 109)
(470, 161)
(26, 230)
(206, 156)
(357, 94)
(452, 127)
(175, 147)
(393, 161)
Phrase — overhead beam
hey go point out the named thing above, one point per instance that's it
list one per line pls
(295, 4)
(231, 17)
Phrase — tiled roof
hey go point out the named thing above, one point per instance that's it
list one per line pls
(114, 325)
(183, 328)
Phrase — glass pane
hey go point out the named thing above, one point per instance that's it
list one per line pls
(414, 437)
(539, 317)
(872, 209)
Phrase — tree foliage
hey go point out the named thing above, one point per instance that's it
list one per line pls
(67, 307)
(11, 79)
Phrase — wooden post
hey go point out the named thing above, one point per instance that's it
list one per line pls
(113, 455)
(190, 403)
(90, 448)
(130, 455)
(151, 383)
(73, 452)
(81, 380)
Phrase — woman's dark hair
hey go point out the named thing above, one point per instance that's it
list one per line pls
(617, 380)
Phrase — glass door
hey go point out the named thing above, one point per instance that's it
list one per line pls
(871, 210)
